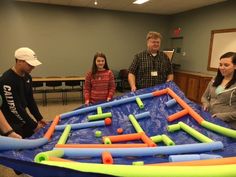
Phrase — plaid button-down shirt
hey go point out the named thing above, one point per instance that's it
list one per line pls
(144, 64)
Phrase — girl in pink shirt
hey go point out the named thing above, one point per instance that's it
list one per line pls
(99, 82)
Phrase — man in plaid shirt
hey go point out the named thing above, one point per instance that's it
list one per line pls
(150, 67)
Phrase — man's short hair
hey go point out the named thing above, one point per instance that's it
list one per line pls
(153, 35)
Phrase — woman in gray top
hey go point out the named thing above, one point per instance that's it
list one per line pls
(220, 96)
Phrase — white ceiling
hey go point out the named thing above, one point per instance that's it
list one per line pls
(164, 7)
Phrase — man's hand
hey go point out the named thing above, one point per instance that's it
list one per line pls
(133, 88)
(42, 123)
(15, 135)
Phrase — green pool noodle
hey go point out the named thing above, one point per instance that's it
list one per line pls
(156, 139)
(99, 110)
(107, 140)
(219, 129)
(202, 138)
(99, 116)
(140, 163)
(140, 103)
(42, 156)
(149, 171)
(64, 135)
(135, 124)
(173, 127)
(167, 141)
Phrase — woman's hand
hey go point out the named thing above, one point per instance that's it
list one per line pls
(87, 103)
(205, 108)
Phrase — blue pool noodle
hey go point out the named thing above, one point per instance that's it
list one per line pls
(142, 115)
(191, 157)
(82, 125)
(147, 151)
(8, 143)
(170, 103)
(104, 105)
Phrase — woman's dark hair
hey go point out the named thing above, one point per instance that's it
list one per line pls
(94, 66)
(219, 76)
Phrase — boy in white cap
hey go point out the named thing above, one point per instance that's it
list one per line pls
(17, 94)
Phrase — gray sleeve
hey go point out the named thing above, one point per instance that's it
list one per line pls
(206, 95)
(227, 116)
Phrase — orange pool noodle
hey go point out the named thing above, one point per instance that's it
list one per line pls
(197, 117)
(51, 129)
(107, 158)
(126, 137)
(177, 115)
(59, 159)
(148, 140)
(159, 92)
(135, 145)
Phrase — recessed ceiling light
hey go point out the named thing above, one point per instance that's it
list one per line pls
(140, 1)
(95, 2)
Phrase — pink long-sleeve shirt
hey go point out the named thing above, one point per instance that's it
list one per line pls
(100, 87)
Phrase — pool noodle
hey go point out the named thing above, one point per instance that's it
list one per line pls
(220, 161)
(191, 157)
(139, 102)
(107, 158)
(51, 129)
(142, 115)
(148, 151)
(167, 141)
(64, 135)
(199, 136)
(150, 171)
(159, 92)
(177, 115)
(8, 143)
(82, 125)
(59, 159)
(104, 105)
(219, 129)
(170, 103)
(106, 140)
(147, 140)
(197, 117)
(136, 125)
(125, 137)
(99, 116)
(156, 139)
(45, 155)
(99, 110)
(138, 145)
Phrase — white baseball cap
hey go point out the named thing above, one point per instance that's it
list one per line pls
(28, 55)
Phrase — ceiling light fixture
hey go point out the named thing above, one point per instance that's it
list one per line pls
(95, 2)
(140, 1)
